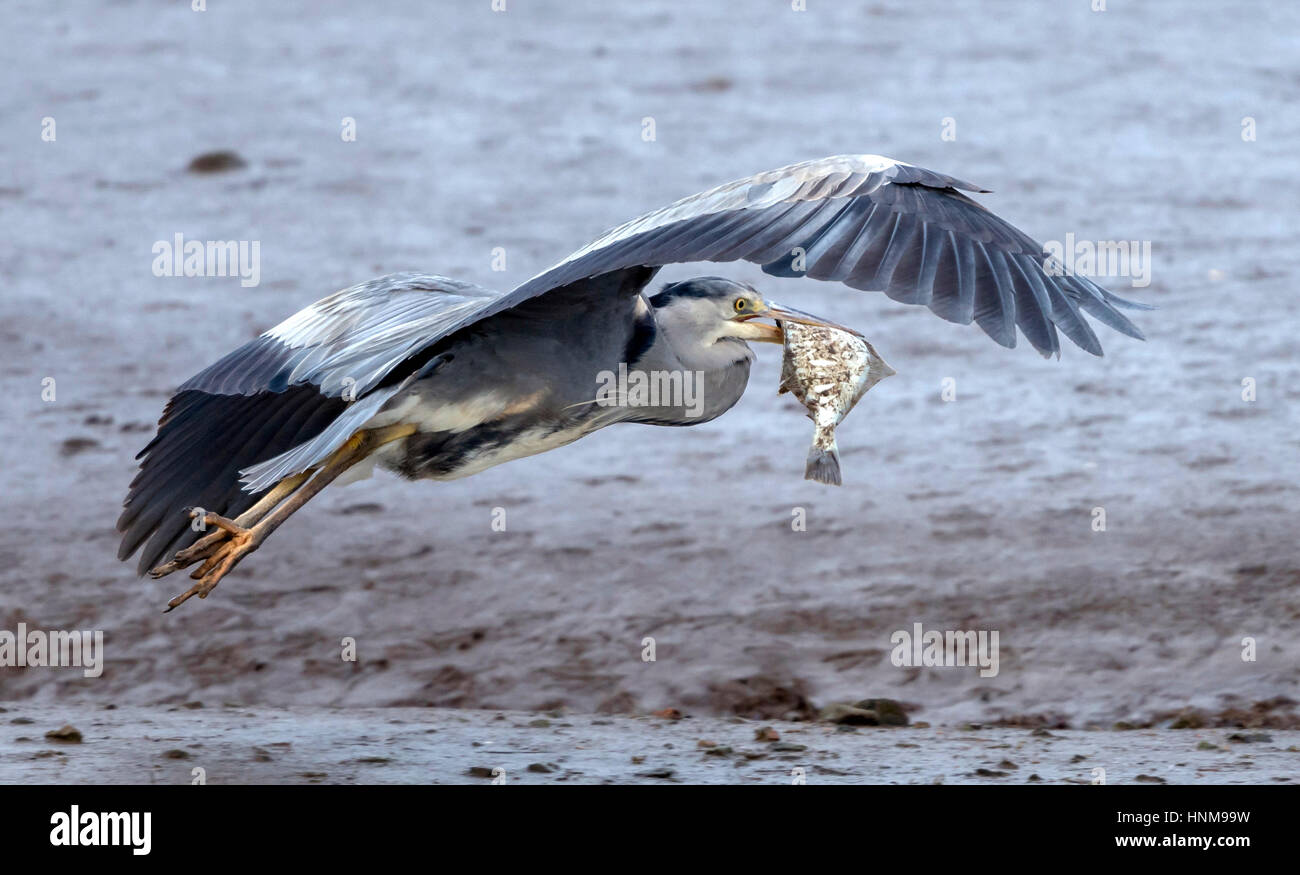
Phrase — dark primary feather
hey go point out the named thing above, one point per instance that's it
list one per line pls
(872, 224)
(203, 442)
(278, 392)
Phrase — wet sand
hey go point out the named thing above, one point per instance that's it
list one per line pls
(523, 131)
(266, 745)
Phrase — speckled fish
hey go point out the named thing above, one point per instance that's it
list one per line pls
(828, 370)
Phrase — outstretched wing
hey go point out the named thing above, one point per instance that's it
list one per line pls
(872, 223)
(286, 400)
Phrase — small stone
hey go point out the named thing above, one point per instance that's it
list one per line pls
(1149, 779)
(1007, 764)
(668, 714)
(542, 768)
(887, 711)
(848, 715)
(176, 754)
(479, 772)
(766, 733)
(67, 732)
(219, 161)
(662, 772)
(788, 746)
(540, 723)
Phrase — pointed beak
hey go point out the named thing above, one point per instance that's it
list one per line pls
(774, 334)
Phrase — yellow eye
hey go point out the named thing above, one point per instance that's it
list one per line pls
(741, 303)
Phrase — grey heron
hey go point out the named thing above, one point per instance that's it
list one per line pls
(437, 378)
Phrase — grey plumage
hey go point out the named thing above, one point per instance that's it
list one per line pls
(873, 224)
(490, 376)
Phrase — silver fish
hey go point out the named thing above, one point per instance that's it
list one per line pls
(828, 370)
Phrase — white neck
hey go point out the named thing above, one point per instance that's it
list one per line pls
(696, 352)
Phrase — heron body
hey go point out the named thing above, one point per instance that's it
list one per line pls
(520, 383)
(435, 378)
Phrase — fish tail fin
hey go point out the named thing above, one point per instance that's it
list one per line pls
(823, 465)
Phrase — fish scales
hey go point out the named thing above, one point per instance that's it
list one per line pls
(829, 371)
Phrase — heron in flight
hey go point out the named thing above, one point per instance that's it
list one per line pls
(436, 378)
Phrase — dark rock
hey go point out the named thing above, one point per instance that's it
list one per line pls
(74, 445)
(220, 161)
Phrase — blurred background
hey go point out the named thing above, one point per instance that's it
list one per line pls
(1174, 123)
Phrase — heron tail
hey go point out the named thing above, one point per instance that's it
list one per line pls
(823, 464)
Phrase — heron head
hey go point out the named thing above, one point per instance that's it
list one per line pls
(710, 310)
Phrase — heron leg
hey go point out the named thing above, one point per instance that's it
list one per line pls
(211, 542)
(234, 539)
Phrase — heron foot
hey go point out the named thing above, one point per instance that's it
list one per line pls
(220, 552)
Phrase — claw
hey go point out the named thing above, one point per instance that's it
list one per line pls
(221, 551)
(200, 549)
